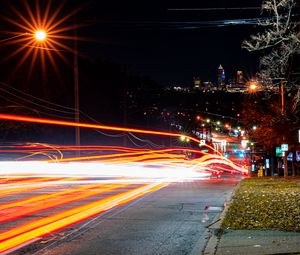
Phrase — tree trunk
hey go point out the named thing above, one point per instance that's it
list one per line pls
(286, 173)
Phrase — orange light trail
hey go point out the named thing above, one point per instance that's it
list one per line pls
(120, 156)
(39, 228)
(28, 181)
(87, 125)
(37, 203)
(14, 190)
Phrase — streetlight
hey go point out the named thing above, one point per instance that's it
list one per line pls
(37, 36)
(253, 86)
(40, 35)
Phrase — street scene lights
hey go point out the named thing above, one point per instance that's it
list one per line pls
(253, 86)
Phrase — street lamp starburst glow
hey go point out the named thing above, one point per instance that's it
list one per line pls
(40, 33)
(253, 86)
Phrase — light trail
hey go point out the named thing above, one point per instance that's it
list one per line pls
(39, 228)
(30, 187)
(158, 167)
(121, 157)
(38, 204)
(87, 125)
(21, 180)
(104, 171)
(28, 181)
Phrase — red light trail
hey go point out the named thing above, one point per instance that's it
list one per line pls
(69, 190)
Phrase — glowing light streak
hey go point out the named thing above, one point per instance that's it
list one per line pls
(112, 164)
(18, 179)
(53, 223)
(36, 204)
(95, 169)
(28, 181)
(43, 197)
(160, 166)
(86, 125)
(31, 187)
(33, 149)
(130, 157)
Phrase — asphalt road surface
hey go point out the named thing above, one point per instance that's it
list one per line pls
(171, 220)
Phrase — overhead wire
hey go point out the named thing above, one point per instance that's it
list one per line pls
(67, 110)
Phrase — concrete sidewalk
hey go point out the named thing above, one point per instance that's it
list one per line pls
(244, 242)
(258, 242)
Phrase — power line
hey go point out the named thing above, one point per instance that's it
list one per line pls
(215, 9)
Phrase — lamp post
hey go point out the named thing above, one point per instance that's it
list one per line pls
(40, 36)
(44, 30)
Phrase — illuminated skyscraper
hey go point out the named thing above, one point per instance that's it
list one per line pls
(221, 76)
(197, 82)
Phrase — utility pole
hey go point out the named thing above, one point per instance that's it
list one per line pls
(284, 157)
(76, 96)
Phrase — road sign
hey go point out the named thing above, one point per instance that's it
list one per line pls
(284, 147)
(202, 142)
(244, 143)
(267, 163)
(278, 152)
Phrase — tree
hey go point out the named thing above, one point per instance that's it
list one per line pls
(279, 41)
(265, 115)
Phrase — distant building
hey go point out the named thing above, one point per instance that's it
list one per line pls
(197, 82)
(221, 76)
(239, 77)
(238, 87)
(208, 85)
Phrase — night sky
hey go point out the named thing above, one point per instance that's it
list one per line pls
(171, 46)
(160, 39)
(167, 42)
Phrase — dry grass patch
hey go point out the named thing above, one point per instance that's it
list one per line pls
(265, 203)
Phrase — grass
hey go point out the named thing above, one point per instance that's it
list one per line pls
(265, 203)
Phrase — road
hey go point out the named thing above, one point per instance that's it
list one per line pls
(171, 219)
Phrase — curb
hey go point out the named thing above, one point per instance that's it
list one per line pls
(214, 230)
